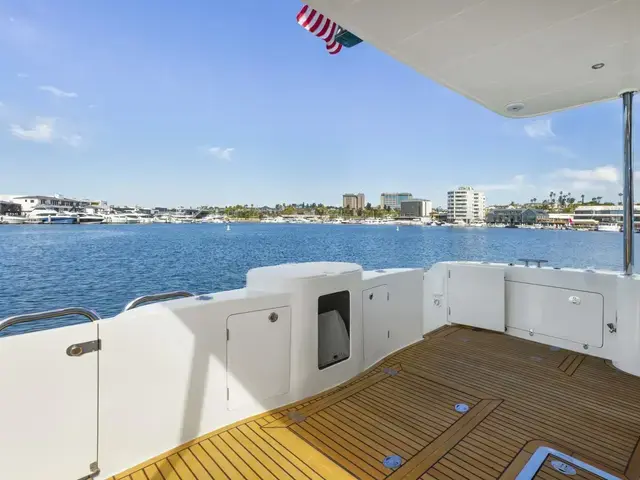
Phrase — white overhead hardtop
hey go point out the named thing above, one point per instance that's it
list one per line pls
(518, 58)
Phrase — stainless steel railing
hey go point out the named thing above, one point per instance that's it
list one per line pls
(62, 312)
(156, 297)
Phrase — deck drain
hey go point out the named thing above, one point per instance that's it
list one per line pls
(465, 340)
(392, 461)
(204, 297)
(391, 371)
(297, 417)
(563, 467)
(554, 349)
(536, 359)
(462, 407)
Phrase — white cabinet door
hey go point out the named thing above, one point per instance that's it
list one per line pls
(475, 296)
(376, 324)
(49, 405)
(573, 315)
(258, 356)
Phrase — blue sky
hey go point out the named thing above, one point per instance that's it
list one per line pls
(211, 102)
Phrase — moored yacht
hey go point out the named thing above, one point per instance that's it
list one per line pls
(609, 227)
(87, 218)
(12, 219)
(512, 370)
(49, 216)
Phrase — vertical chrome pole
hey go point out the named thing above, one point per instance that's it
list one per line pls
(627, 200)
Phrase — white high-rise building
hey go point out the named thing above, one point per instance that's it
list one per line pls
(465, 204)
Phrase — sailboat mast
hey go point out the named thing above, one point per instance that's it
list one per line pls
(627, 200)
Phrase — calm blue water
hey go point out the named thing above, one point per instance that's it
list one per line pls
(103, 267)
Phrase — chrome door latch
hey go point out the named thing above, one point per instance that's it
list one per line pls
(79, 349)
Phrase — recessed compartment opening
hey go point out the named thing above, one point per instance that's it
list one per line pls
(334, 328)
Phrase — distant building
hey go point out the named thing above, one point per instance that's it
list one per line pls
(10, 208)
(394, 200)
(603, 213)
(56, 202)
(465, 204)
(353, 201)
(516, 216)
(416, 207)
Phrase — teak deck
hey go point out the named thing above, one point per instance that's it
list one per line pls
(521, 396)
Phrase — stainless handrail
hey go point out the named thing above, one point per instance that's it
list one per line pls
(62, 312)
(158, 296)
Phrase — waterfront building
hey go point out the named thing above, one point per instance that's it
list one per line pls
(55, 202)
(515, 216)
(394, 200)
(416, 207)
(465, 204)
(9, 208)
(353, 201)
(604, 213)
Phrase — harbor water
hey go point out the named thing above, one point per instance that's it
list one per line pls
(103, 267)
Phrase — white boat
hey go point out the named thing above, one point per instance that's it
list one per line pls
(609, 227)
(180, 218)
(119, 218)
(42, 215)
(12, 219)
(213, 219)
(87, 218)
(510, 370)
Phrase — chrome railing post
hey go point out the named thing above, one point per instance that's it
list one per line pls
(627, 200)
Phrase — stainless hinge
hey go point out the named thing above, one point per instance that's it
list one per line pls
(227, 393)
(227, 334)
(95, 471)
(387, 296)
(388, 333)
(449, 310)
(79, 349)
(449, 273)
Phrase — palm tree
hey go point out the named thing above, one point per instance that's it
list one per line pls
(620, 195)
(599, 199)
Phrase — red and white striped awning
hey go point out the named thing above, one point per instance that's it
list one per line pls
(321, 26)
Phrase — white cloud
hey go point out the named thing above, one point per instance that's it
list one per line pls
(57, 92)
(92, 105)
(41, 131)
(1, 104)
(606, 173)
(516, 183)
(74, 140)
(23, 75)
(539, 129)
(46, 130)
(221, 153)
(11, 19)
(562, 151)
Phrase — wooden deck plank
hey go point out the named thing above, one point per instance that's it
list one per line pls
(522, 396)
(262, 459)
(341, 453)
(289, 455)
(368, 437)
(208, 463)
(321, 464)
(194, 465)
(274, 456)
(153, 473)
(166, 470)
(379, 429)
